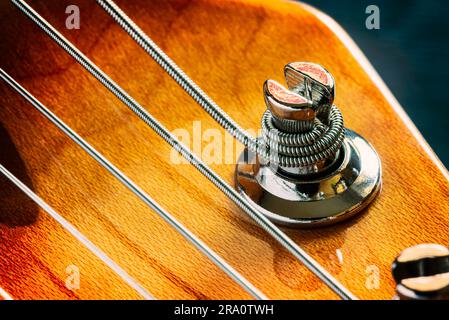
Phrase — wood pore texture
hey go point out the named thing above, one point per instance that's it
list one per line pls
(229, 48)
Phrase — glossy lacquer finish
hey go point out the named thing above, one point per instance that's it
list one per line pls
(229, 48)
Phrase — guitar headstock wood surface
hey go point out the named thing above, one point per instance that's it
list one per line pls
(229, 48)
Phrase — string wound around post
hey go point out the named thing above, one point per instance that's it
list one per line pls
(310, 170)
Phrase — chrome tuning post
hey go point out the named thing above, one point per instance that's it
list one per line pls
(421, 272)
(309, 170)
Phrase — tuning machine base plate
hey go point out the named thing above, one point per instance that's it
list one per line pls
(338, 193)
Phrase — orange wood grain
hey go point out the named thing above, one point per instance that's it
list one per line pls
(229, 48)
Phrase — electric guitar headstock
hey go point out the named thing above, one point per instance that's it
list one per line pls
(208, 150)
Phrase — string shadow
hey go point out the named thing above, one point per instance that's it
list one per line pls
(16, 208)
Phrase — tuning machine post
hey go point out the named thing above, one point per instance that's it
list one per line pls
(317, 172)
(421, 272)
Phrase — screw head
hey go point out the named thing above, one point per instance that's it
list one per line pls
(313, 82)
(422, 272)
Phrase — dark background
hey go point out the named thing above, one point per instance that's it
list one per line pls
(410, 51)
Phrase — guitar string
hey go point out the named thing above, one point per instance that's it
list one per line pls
(77, 234)
(171, 220)
(134, 106)
(189, 86)
(5, 295)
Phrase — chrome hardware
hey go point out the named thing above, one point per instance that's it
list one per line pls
(286, 104)
(301, 127)
(421, 272)
(312, 81)
(317, 172)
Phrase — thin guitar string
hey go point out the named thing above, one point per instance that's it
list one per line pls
(171, 220)
(77, 234)
(121, 94)
(5, 295)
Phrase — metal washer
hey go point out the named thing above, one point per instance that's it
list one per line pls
(309, 201)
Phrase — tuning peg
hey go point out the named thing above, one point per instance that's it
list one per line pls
(286, 104)
(421, 272)
(314, 83)
(307, 168)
